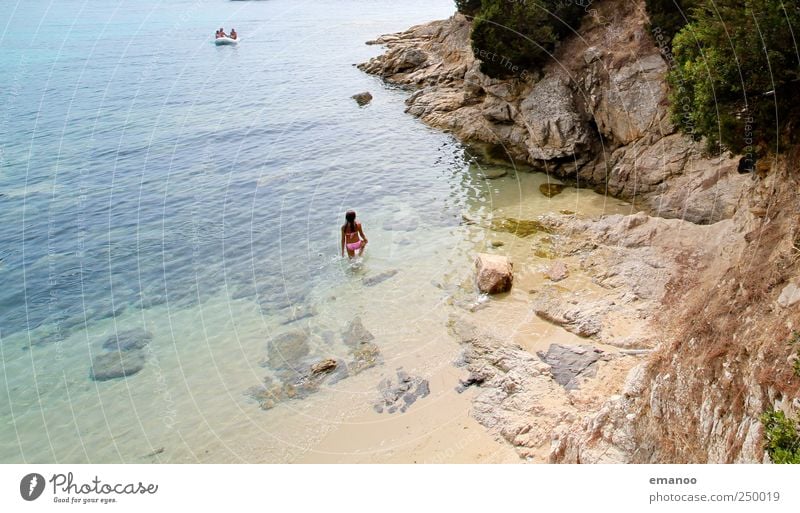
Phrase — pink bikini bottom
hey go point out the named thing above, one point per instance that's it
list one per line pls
(355, 246)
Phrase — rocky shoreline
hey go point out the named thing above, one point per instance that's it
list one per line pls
(642, 387)
(597, 114)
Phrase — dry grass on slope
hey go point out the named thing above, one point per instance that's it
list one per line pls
(729, 360)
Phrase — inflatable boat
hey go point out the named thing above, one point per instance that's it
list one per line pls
(225, 41)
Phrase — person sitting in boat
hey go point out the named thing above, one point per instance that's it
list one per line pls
(220, 33)
(233, 34)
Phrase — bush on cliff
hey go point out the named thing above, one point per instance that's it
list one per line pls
(511, 37)
(736, 70)
(669, 16)
(781, 437)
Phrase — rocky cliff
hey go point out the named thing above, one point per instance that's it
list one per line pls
(707, 281)
(596, 114)
(726, 352)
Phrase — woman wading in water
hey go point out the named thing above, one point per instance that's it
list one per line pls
(351, 230)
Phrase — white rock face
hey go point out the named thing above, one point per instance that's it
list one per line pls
(554, 124)
(631, 102)
(790, 295)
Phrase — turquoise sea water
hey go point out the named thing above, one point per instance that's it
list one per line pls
(141, 164)
(150, 179)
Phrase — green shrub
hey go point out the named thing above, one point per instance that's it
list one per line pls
(735, 75)
(513, 35)
(669, 16)
(781, 437)
(468, 7)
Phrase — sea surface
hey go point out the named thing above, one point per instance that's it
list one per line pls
(152, 181)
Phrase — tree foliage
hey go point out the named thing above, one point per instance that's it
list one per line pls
(513, 35)
(781, 437)
(737, 66)
(669, 16)
(468, 7)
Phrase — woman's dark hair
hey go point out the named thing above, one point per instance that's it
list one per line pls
(350, 217)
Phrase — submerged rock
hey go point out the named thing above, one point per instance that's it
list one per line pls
(116, 364)
(365, 353)
(300, 312)
(355, 333)
(490, 173)
(362, 98)
(365, 356)
(128, 340)
(293, 377)
(544, 252)
(323, 366)
(468, 219)
(287, 350)
(401, 224)
(371, 281)
(494, 273)
(551, 189)
(519, 227)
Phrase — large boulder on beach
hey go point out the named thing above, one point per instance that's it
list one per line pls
(494, 273)
(116, 364)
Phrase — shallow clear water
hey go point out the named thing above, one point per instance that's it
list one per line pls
(151, 179)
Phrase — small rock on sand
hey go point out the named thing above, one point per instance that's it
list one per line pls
(557, 271)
